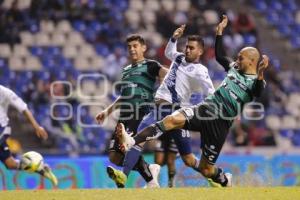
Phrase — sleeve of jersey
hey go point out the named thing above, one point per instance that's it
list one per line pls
(154, 68)
(171, 50)
(206, 83)
(220, 53)
(259, 87)
(15, 101)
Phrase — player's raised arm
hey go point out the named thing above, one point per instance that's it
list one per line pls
(219, 49)
(171, 48)
(100, 117)
(260, 83)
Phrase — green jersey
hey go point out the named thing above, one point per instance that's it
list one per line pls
(235, 91)
(138, 84)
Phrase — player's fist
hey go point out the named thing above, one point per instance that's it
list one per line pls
(264, 63)
(100, 117)
(41, 133)
(222, 24)
(262, 66)
(178, 32)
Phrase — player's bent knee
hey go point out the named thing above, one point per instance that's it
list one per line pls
(173, 121)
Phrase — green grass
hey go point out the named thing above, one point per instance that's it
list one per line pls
(240, 193)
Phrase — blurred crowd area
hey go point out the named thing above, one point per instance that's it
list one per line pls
(47, 45)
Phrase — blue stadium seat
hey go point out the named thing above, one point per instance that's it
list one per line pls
(284, 30)
(275, 4)
(296, 138)
(102, 49)
(249, 39)
(287, 133)
(273, 17)
(79, 25)
(295, 42)
(53, 51)
(90, 35)
(36, 50)
(260, 5)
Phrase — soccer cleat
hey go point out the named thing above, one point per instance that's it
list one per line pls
(211, 183)
(117, 176)
(171, 182)
(125, 140)
(154, 169)
(229, 178)
(215, 184)
(47, 172)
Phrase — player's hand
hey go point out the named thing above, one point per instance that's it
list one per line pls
(178, 32)
(222, 25)
(100, 117)
(262, 66)
(41, 133)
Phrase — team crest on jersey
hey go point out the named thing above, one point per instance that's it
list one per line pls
(191, 68)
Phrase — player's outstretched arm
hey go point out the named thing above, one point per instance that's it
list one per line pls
(171, 49)
(100, 117)
(39, 131)
(219, 49)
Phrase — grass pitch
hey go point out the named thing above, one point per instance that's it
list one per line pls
(239, 193)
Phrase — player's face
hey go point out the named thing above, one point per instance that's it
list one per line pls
(136, 50)
(243, 61)
(193, 51)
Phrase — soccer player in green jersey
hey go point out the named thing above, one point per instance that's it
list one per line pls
(137, 90)
(214, 117)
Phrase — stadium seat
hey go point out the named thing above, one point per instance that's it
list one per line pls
(151, 5)
(27, 38)
(47, 26)
(74, 38)
(32, 63)
(82, 63)
(79, 25)
(273, 122)
(58, 39)
(5, 51)
(288, 122)
(70, 51)
(63, 26)
(42, 39)
(136, 5)
(16, 63)
(183, 5)
(168, 5)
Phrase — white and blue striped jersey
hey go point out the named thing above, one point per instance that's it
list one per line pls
(183, 78)
(7, 98)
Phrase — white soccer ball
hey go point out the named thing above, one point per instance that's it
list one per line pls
(32, 161)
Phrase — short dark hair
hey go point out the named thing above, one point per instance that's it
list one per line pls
(135, 37)
(196, 38)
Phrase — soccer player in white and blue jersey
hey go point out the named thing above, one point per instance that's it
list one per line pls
(185, 76)
(9, 98)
